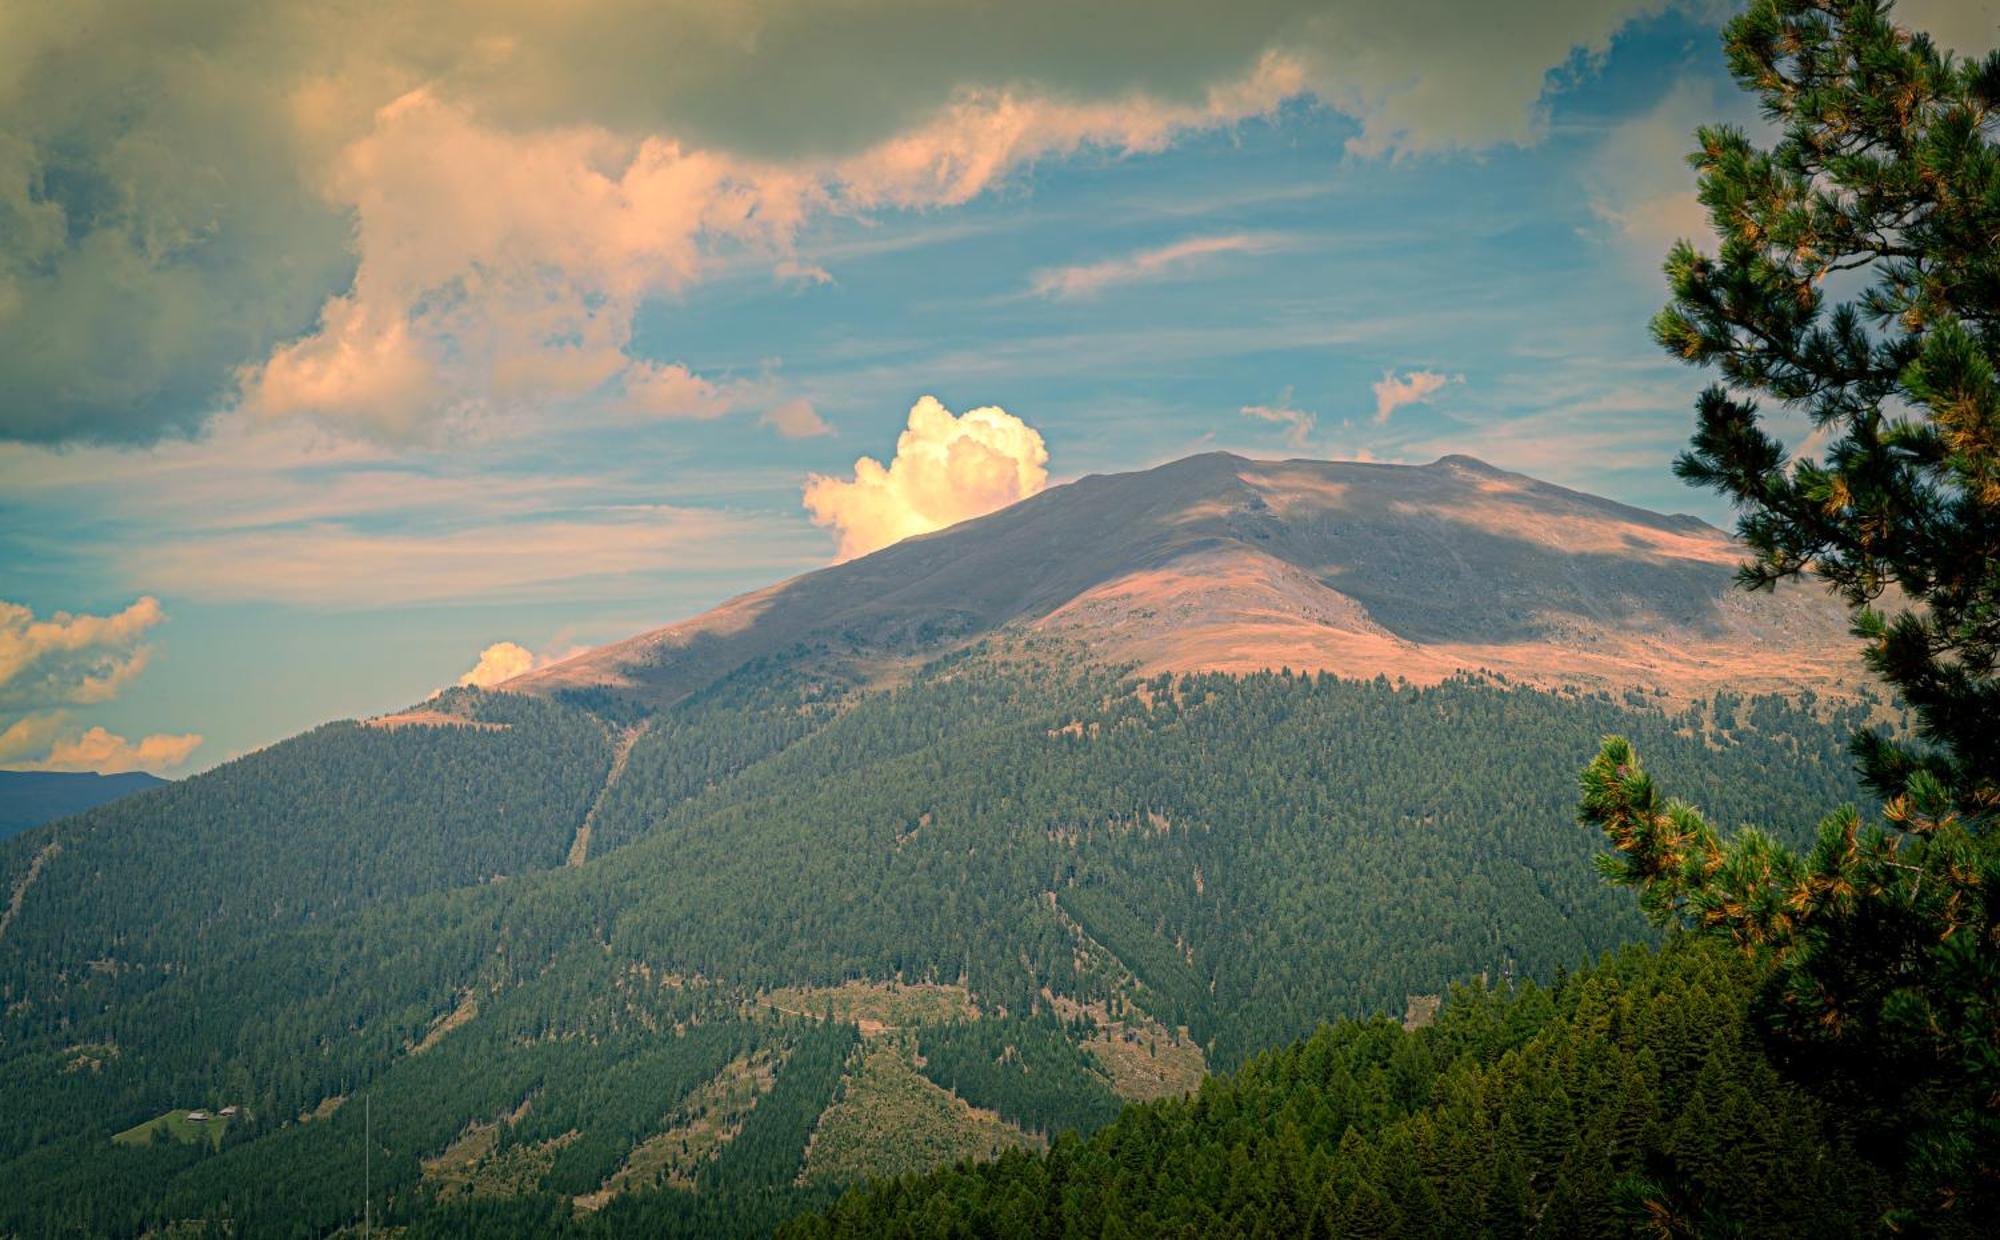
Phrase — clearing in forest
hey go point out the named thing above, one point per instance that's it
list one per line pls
(876, 1007)
(474, 1165)
(891, 1119)
(178, 1126)
(709, 1119)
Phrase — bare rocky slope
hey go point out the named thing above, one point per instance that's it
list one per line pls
(1221, 563)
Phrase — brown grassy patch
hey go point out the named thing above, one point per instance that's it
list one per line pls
(1422, 1010)
(468, 1007)
(474, 1165)
(90, 1056)
(876, 1007)
(709, 1119)
(1145, 1061)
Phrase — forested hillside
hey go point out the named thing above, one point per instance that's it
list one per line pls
(1632, 1097)
(991, 903)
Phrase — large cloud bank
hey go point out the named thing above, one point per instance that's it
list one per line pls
(946, 469)
(388, 219)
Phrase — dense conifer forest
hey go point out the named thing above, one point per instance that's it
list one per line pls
(1093, 876)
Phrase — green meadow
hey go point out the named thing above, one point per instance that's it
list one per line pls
(178, 1127)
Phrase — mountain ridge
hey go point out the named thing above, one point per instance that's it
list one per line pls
(1218, 562)
(30, 798)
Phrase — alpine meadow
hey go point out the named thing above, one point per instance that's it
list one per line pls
(1387, 728)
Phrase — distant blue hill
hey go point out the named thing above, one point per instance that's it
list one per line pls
(31, 798)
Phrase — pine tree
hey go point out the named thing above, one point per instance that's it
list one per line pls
(1884, 936)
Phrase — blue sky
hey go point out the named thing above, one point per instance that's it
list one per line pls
(434, 361)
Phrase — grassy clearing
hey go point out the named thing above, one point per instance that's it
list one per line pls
(1147, 1062)
(890, 1119)
(876, 1007)
(474, 1165)
(1139, 1057)
(177, 1127)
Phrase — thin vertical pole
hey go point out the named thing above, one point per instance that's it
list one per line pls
(367, 1160)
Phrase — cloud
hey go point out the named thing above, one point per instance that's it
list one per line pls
(392, 220)
(579, 554)
(288, 514)
(508, 267)
(674, 392)
(94, 749)
(1414, 388)
(1298, 423)
(796, 419)
(76, 660)
(946, 470)
(1638, 181)
(498, 662)
(71, 660)
(1969, 27)
(1090, 279)
(1574, 419)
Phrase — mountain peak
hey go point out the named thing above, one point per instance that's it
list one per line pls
(1223, 562)
(1458, 460)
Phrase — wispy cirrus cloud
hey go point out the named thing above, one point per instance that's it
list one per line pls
(575, 554)
(1160, 262)
(1393, 391)
(1298, 423)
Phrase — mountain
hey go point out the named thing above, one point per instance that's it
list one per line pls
(31, 798)
(930, 856)
(1218, 563)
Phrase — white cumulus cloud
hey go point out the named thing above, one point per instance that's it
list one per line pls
(946, 469)
(499, 662)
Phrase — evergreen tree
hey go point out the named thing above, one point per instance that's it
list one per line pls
(1887, 173)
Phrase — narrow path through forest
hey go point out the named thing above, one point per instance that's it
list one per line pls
(579, 848)
(49, 849)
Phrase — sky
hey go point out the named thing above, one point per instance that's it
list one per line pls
(352, 351)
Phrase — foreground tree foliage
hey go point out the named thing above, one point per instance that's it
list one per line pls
(1883, 936)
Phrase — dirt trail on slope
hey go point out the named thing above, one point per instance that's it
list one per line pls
(579, 848)
(27, 880)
